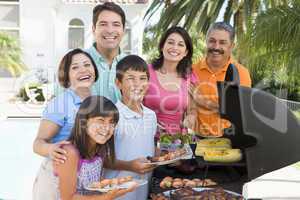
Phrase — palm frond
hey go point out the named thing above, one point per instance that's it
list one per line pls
(154, 7)
(278, 30)
(10, 55)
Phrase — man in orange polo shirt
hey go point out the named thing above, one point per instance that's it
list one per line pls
(209, 70)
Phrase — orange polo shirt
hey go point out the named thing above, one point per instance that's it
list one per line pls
(209, 122)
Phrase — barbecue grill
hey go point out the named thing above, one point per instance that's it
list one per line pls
(262, 126)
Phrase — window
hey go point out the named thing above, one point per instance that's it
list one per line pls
(76, 34)
(10, 17)
(126, 41)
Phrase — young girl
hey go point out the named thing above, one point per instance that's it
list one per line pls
(91, 145)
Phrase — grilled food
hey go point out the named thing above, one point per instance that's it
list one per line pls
(216, 143)
(212, 194)
(169, 182)
(111, 182)
(168, 155)
(222, 155)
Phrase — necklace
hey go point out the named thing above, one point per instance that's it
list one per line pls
(163, 71)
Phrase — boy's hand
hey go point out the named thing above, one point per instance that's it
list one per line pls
(57, 153)
(141, 166)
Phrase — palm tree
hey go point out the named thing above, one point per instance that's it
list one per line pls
(10, 55)
(271, 46)
(205, 12)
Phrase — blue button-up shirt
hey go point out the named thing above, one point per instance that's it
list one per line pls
(105, 85)
(62, 111)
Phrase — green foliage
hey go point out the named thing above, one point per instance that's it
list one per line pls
(36, 87)
(271, 49)
(10, 55)
(202, 13)
(150, 43)
(297, 114)
(178, 138)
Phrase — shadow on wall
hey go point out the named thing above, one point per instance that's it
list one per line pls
(5, 74)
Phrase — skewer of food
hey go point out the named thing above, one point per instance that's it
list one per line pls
(169, 182)
(192, 194)
(216, 193)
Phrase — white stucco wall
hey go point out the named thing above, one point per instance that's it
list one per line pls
(134, 15)
(44, 29)
(37, 32)
(64, 14)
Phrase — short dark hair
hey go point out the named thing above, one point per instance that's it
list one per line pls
(132, 62)
(184, 66)
(93, 106)
(110, 6)
(222, 26)
(64, 67)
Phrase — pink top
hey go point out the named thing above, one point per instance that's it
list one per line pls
(169, 106)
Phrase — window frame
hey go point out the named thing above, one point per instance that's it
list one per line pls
(17, 29)
(79, 27)
(129, 29)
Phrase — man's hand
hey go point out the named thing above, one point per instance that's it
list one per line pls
(202, 100)
(190, 121)
(141, 166)
(57, 153)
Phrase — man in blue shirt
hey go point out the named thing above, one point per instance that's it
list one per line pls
(108, 29)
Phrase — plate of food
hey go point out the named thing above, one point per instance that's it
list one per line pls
(107, 185)
(172, 156)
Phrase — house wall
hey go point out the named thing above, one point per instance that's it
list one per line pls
(44, 29)
(37, 32)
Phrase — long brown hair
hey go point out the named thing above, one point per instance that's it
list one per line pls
(93, 106)
(184, 67)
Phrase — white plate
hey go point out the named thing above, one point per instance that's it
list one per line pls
(125, 185)
(187, 155)
(167, 193)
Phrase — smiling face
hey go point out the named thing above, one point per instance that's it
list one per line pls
(81, 73)
(108, 31)
(219, 47)
(100, 129)
(134, 85)
(174, 48)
